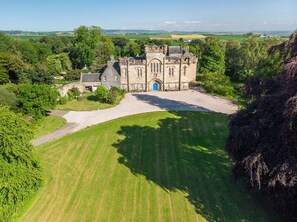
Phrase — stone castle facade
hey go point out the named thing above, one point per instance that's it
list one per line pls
(163, 68)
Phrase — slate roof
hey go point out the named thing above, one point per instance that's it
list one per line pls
(94, 77)
(175, 50)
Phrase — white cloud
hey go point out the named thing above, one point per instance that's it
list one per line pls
(192, 22)
(170, 22)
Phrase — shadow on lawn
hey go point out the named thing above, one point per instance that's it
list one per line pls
(186, 154)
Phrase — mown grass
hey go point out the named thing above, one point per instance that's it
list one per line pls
(164, 166)
(87, 104)
(48, 125)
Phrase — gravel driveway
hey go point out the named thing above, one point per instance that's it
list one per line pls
(135, 103)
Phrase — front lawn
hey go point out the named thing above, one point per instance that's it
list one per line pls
(163, 166)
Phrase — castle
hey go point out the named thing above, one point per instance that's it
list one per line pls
(163, 68)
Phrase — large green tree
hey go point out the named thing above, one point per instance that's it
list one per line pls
(36, 99)
(213, 56)
(85, 41)
(102, 53)
(21, 174)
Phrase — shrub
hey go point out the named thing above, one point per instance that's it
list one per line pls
(36, 99)
(217, 83)
(8, 98)
(112, 96)
(73, 93)
(101, 93)
(21, 174)
(63, 100)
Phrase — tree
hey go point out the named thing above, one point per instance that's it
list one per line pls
(21, 173)
(132, 49)
(28, 51)
(102, 53)
(36, 99)
(213, 56)
(233, 60)
(5, 43)
(4, 77)
(85, 41)
(262, 137)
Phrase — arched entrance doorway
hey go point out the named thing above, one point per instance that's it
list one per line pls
(156, 86)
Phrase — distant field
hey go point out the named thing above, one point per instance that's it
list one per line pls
(190, 36)
(134, 37)
(230, 37)
(164, 166)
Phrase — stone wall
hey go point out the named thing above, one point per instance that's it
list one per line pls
(82, 87)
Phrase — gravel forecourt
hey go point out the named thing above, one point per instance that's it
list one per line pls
(135, 103)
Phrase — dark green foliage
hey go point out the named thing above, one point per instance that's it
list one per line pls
(21, 175)
(36, 99)
(7, 98)
(73, 93)
(104, 49)
(72, 75)
(4, 77)
(263, 137)
(213, 56)
(101, 93)
(132, 49)
(217, 83)
(28, 51)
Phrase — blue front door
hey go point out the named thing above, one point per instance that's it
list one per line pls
(155, 86)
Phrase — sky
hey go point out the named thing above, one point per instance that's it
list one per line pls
(169, 15)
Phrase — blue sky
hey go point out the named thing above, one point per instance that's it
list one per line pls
(171, 15)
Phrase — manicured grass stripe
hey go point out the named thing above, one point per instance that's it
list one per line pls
(164, 166)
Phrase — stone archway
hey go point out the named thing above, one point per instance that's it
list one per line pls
(155, 85)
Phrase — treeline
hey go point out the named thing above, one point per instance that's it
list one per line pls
(223, 66)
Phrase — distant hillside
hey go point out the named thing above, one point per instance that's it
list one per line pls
(136, 31)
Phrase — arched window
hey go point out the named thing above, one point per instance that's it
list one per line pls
(172, 72)
(140, 72)
(151, 67)
(169, 71)
(185, 71)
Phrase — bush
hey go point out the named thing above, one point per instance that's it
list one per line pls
(63, 100)
(8, 98)
(21, 173)
(36, 99)
(73, 93)
(112, 96)
(217, 83)
(101, 93)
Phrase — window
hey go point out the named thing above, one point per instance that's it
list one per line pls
(104, 78)
(185, 71)
(115, 78)
(125, 72)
